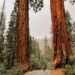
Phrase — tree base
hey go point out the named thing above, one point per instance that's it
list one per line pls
(58, 71)
(25, 67)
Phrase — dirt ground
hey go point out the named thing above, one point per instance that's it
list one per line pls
(59, 71)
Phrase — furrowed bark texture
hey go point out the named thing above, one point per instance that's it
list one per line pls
(23, 33)
(61, 42)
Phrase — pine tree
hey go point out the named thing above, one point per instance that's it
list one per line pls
(11, 43)
(72, 1)
(34, 54)
(47, 52)
(2, 28)
(69, 25)
(73, 38)
(73, 30)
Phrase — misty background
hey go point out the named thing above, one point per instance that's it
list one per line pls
(40, 22)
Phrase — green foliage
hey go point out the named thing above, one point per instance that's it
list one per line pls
(34, 54)
(2, 69)
(13, 71)
(71, 1)
(49, 65)
(47, 53)
(73, 46)
(37, 5)
(11, 43)
(2, 27)
(69, 25)
(37, 59)
(70, 70)
(70, 67)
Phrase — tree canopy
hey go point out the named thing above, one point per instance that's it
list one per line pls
(37, 5)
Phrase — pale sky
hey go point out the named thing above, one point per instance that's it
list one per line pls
(39, 23)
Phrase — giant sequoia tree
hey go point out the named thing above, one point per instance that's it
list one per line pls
(23, 32)
(23, 29)
(61, 43)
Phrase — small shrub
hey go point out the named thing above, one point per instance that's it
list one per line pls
(70, 70)
(13, 71)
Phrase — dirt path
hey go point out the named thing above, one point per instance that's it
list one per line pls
(46, 72)
(38, 72)
(59, 71)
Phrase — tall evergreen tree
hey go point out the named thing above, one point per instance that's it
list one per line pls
(69, 25)
(2, 27)
(47, 52)
(34, 54)
(11, 43)
(73, 38)
(73, 29)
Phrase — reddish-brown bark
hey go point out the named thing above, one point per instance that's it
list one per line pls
(23, 33)
(54, 26)
(61, 43)
(66, 40)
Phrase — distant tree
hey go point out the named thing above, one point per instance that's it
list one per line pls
(46, 46)
(34, 54)
(71, 1)
(73, 38)
(73, 29)
(47, 52)
(69, 25)
(2, 28)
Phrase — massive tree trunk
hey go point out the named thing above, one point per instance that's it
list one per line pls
(61, 43)
(23, 33)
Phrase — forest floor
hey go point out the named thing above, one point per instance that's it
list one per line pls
(38, 72)
(59, 71)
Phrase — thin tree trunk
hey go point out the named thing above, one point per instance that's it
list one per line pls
(23, 33)
(61, 43)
